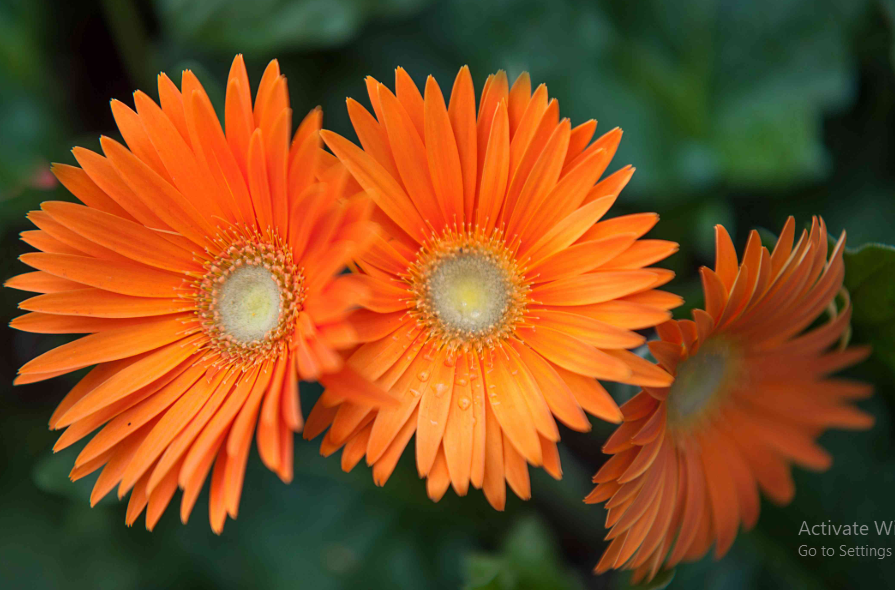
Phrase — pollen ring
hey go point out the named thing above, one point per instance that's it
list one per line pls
(468, 291)
(250, 295)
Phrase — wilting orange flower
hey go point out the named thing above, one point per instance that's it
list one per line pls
(498, 295)
(752, 393)
(203, 267)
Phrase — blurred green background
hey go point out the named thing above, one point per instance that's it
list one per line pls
(735, 112)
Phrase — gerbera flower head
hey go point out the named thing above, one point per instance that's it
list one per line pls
(203, 268)
(498, 292)
(752, 393)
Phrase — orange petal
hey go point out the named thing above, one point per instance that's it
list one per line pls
(434, 407)
(573, 354)
(636, 223)
(495, 171)
(588, 330)
(80, 185)
(643, 253)
(167, 202)
(439, 479)
(124, 237)
(459, 431)
(643, 372)
(520, 95)
(350, 385)
(556, 392)
(494, 484)
(41, 282)
(379, 184)
(581, 258)
(42, 323)
(106, 178)
(510, 408)
(130, 379)
(516, 469)
(103, 304)
(127, 278)
(387, 461)
(461, 111)
(541, 181)
(592, 396)
(108, 346)
(443, 157)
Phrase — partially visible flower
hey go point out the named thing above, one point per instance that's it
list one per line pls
(752, 393)
(499, 293)
(204, 269)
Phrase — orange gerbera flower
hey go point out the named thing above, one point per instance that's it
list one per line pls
(203, 267)
(751, 395)
(498, 294)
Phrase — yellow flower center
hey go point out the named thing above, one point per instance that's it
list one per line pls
(469, 292)
(249, 303)
(250, 296)
(702, 381)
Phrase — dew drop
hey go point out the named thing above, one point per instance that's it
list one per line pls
(423, 376)
(462, 382)
(440, 388)
(463, 402)
(415, 392)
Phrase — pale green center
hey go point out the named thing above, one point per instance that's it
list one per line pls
(700, 380)
(469, 292)
(248, 304)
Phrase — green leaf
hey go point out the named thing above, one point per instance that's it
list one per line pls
(662, 580)
(869, 275)
(528, 560)
(738, 99)
(50, 475)
(481, 571)
(270, 26)
(868, 278)
(30, 98)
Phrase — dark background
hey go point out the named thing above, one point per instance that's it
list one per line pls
(735, 112)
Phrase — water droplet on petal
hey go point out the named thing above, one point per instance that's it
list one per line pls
(423, 376)
(463, 402)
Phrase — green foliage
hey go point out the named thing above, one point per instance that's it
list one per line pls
(30, 126)
(662, 580)
(739, 113)
(529, 560)
(265, 26)
(870, 280)
(706, 91)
